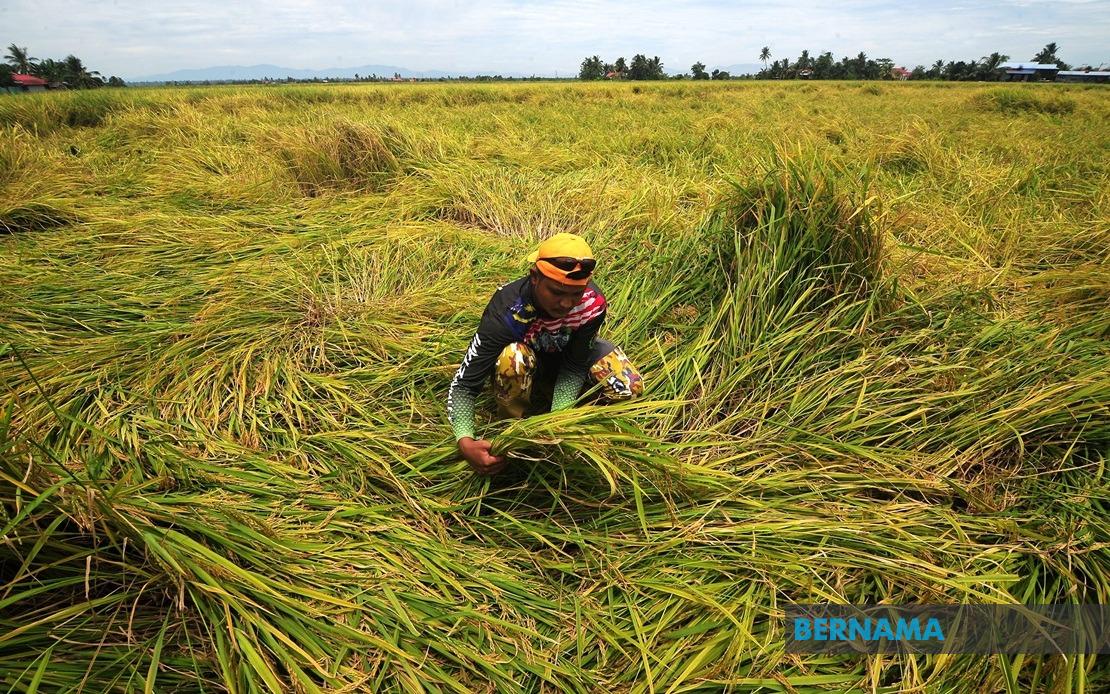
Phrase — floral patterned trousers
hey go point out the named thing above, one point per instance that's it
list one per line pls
(522, 381)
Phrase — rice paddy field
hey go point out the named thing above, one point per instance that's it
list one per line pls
(872, 320)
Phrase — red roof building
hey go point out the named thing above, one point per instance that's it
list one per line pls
(28, 83)
(900, 73)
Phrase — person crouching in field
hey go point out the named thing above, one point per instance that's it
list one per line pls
(537, 340)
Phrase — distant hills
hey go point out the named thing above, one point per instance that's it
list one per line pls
(258, 72)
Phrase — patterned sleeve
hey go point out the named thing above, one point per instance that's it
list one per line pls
(492, 337)
(576, 366)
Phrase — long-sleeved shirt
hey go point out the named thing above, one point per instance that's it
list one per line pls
(512, 315)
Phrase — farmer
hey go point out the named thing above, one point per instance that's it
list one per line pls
(537, 342)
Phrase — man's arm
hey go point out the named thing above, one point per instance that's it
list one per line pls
(465, 387)
(481, 356)
(576, 365)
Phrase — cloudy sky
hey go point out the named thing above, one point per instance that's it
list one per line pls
(131, 38)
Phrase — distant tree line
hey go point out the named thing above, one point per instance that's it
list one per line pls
(697, 72)
(861, 67)
(69, 72)
(821, 67)
(641, 68)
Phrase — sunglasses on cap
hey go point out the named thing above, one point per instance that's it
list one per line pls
(568, 266)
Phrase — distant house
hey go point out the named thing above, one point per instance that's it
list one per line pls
(900, 73)
(28, 83)
(613, 75)
(805, 73)
(1083, 76)
(1029, 72)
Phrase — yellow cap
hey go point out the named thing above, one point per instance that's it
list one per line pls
(561, 245)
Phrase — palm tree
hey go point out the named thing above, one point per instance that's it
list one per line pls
(803, 60)
(50, 70)
(765, 55)
(1046, 54)
(78, 76)
(989, 64)
(17, 57)
(995, 59)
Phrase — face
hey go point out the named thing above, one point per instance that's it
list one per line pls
(555, 298)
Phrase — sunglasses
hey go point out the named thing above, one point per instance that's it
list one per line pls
(568, 266)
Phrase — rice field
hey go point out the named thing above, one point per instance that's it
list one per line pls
(872, 320)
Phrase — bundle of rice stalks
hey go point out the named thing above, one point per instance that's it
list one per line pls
(1017, 100)
(33, 189)
(510, 202)
(804, 226)
(802, 260)
(35, 215)
(916, 150)
(342, 156)
(617, 444)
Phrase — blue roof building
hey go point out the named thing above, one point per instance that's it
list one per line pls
(1029, 72)
(1083, 76)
